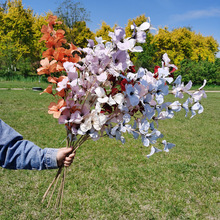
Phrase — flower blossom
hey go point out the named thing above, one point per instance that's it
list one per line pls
(133, 93)
(56, 109)
(100, 92)
(94, 120)
(47, 66)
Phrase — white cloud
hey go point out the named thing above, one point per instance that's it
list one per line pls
(196, 14)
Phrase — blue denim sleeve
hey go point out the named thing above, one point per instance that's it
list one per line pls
(16, 153)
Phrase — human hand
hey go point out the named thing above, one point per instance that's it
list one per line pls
(65, 156)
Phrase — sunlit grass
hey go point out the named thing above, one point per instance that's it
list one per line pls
(24, 84)
(109, 180)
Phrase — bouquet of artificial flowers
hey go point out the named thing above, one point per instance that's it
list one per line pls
(99, 91)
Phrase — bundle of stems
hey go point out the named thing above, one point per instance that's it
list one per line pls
(62, 171)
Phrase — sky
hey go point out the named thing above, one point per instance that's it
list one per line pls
(202, 16)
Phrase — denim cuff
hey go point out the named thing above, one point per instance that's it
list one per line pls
(51, 158)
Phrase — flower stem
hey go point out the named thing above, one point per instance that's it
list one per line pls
(54, 188)
(48, 189)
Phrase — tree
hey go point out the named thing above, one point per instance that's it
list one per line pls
(138, 21)
(147, 59)
(39, 46)
(197, 71)
(20, 31)
(71, 12)
(16, 32)
(104, 30)
(78, 34)
(3, 6)
(135, 56)
(182, 43)
(74, 17)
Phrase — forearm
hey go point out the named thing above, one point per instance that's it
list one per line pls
(25, 155)
(16, 153)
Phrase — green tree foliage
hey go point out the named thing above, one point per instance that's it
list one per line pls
(16, 30)
(147, 59)
(197, 71)
(19, 36)
(182, 43)
(78, 34)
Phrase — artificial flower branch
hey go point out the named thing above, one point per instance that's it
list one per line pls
(100, 92)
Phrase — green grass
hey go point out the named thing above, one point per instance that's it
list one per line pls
(109, 180)
(207, 87)
(22, 84)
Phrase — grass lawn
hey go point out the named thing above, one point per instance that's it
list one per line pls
(22, 84)
(109, 180)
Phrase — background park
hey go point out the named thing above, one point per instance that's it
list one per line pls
(109, 180)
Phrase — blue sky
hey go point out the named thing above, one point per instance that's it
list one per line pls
(202, 16)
